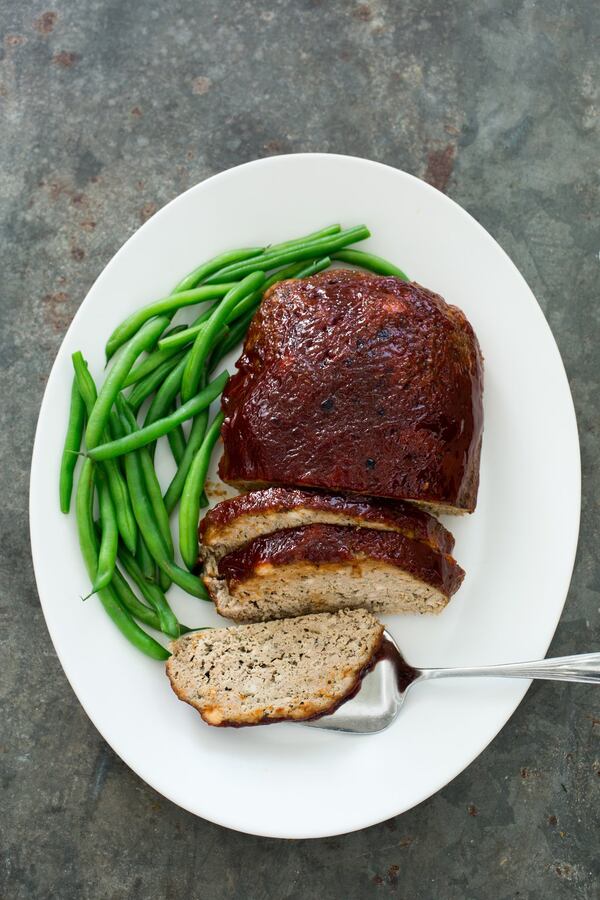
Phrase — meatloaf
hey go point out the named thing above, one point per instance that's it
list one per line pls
(320, 567)
(362, 383)
(234, 522)
(291, 669)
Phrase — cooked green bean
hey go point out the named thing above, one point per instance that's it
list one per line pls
(283, 274)
(152, 594)
(154, 360)
(117, 375)
(116, 482)
(177, 442)
(139, 610)
(185, 337)
(150, 530)
(71, 447)
(189, 509)
(252, 301)
(109, 538)
(161, 517)
(317, 266)
(192, 374)
(371, 262)
(236, 333)
(107, 596)
(195, 439)
(238, 328)
(319, 247)
(151, 382)
(145, 561)
(131, 603)
(150, 433)
(174, 341)
(322, 232)
(213, 265)
(166, 394)
(189, 335)
(84, 501)
(163, 307)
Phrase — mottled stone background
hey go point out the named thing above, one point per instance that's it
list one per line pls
(109, 110)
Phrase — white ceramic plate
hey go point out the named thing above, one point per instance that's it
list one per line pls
(518, 548)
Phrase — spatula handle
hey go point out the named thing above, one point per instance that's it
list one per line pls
(584, 667)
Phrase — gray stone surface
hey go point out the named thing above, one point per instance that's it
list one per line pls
(109, 110)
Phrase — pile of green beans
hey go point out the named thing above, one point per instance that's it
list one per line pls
(159, 377)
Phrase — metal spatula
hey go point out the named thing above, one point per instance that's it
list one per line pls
(384, 689)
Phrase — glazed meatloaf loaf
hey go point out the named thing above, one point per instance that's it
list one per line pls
(360, 383)
(234, 522)
(291, 669)
(321, 567)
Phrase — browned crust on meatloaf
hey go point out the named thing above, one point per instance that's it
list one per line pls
(322, 544)
(357, 383)
(395, 515)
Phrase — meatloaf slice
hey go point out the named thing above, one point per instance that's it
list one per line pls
(290, 669)
(318, 568)
(237, 521)
(360, 383)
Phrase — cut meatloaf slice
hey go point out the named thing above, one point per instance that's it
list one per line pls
(239, 520)
(290, 669)
(318, 568)
(360, 383)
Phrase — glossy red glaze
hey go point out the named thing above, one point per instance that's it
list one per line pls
(403, 517)
(321, 544)
(357, 382)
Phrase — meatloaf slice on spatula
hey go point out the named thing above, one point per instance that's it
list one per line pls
(289, 669)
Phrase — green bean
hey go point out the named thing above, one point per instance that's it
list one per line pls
(371, 262)
(151, 382)
(165, 395)
(283, 274)
(131, 603)
(163, 308)
(324, 246)
(149, 529)
(317, 266)
(204, 342)
(154, 360)
(116, 482)
(117, 375)
(152, 594)
(109, 538)
(174, 341)
(189, 335)
(71, 447)
(195, 439)
(139, 610)
(107, 596)
(152, 432)
(189, 509)
(158, 507)
(252, 301)
(161, 517)
(213, 265)
(185, 337)
(313, 236)
(239, 327)
(145, 560)
(236, 333)
(177, 443)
